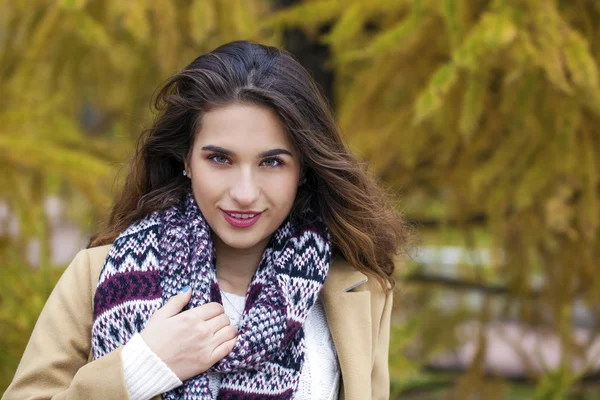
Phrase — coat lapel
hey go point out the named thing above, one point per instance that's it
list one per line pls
(348, 315)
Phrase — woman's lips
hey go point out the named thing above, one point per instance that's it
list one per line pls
(240, 222)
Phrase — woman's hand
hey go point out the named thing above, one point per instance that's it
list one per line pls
(189, 342)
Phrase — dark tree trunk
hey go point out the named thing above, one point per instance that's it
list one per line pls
(311, 54)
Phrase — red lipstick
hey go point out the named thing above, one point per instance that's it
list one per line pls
(239, 219)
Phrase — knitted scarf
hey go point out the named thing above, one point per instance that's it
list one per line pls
(156, 257)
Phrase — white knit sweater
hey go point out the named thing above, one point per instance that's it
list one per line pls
(146, 375)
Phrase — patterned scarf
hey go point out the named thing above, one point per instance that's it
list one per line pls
(157, 256)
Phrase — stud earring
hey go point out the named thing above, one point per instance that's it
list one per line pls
(184, 172)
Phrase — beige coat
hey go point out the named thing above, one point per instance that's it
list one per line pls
(57, 363)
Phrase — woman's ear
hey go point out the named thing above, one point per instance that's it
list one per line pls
(302, 179)
(186, 170)
(302, 176)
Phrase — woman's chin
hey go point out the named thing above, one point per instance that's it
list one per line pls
(243, 240)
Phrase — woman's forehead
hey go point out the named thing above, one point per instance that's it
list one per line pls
(243, 127)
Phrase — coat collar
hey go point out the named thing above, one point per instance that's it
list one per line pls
(342, 277)
(348, 313)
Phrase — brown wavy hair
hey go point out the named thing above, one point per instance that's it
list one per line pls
(366, 229)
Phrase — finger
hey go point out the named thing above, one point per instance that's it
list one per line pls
(175, 304)
(223, 349)
(218, 322)
(206, 311)
(224, 334)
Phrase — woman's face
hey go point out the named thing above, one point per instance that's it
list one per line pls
(245, 172)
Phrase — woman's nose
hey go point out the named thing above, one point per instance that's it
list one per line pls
(244, 190)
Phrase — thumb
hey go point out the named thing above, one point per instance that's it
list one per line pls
(176, 303)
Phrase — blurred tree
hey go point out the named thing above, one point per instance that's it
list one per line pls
(76, 79)
(488, 113)
(484, 113)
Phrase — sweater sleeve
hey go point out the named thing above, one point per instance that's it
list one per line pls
(146, 375)
(55, 362)
(380, 374)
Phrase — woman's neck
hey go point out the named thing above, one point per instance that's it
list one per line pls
(236, 267)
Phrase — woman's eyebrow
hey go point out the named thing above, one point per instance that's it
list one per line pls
(274, 152)
(268, 153)
(218, 149)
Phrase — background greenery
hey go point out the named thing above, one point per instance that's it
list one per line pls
(482, 116)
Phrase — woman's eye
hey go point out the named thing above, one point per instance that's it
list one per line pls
(272, 162)
(217, 159)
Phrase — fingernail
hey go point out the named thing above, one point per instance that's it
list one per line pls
(185, 289)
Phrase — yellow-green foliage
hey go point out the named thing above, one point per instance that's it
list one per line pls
(491, 109)
(23, 292)
(76, 79)
(64, 62)
(477, 110)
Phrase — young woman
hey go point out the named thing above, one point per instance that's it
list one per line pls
(248, 256)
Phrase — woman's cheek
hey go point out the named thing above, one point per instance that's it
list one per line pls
(284, 185)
